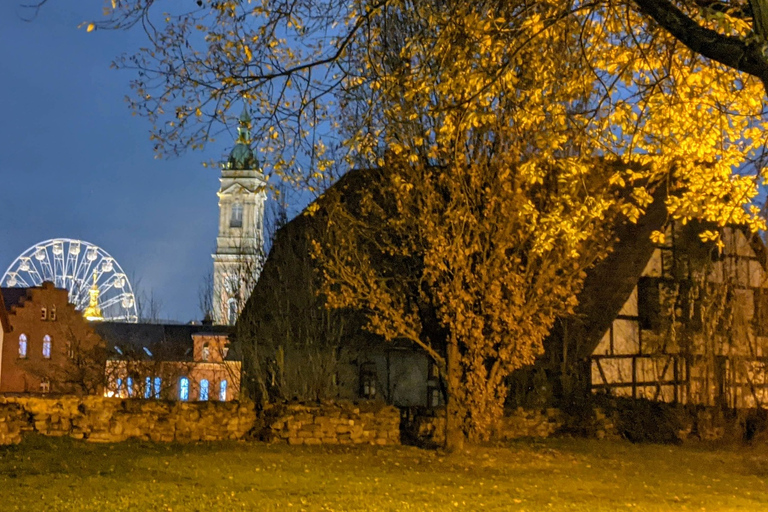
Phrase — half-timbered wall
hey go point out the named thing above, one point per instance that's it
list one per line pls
(693, 329)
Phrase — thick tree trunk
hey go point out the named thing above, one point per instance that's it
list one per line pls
(454, 417)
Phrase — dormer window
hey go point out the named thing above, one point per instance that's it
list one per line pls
(206, 352)
(236, 220)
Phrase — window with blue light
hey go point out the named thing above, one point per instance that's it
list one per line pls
(184, 389)
(223, 391)
(147, 387)
(204, 389)
(23, 346)
(119, 387)
(47, 347)
(158, 383)
(129, 385)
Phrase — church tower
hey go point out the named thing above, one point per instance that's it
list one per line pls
(239, 246)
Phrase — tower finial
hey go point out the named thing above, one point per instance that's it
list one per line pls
(242, 156)
(93, 311)
(244, 127)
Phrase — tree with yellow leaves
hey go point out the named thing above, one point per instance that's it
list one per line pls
(512, 134)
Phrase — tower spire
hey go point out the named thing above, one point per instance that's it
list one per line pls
(93, 311)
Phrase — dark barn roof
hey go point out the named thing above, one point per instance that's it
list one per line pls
(163, 342)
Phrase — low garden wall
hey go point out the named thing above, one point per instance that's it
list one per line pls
(427, 426)
(332, 423)
(102, 419)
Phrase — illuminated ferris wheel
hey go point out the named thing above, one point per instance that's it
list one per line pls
(78, 267)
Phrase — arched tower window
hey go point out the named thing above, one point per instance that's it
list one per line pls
(204, 390)
(236, 220)
(23, 346)
(184, 389)
(232, 311)
(47, 346)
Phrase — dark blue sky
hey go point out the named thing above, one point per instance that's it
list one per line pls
(74, 162)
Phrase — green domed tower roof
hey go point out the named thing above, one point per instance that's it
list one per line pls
(242, 156)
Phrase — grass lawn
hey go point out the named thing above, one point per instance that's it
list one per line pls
(47, 474)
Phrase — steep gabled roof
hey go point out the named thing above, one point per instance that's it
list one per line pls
(160, 342)
(13, 297)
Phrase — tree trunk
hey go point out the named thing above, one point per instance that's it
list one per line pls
(454, 418)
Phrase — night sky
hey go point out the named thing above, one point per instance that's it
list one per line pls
(74, 162)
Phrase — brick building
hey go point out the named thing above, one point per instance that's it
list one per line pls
(50, 346)
(172, 362)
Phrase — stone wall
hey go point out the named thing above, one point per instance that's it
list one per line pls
(332, 423)
(427, 426)
(101, 419)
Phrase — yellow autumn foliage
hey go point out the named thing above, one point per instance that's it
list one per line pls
(513, 134)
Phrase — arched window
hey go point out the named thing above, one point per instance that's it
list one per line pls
(232, 304)
(47, 346)
(206, 352)
(23, 346)
(184, 389)
(129, 385)
(119, 391)
(147, 387)
(204, 390)
(158, 383)
(223, 391)
(236, 220)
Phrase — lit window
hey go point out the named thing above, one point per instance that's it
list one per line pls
(129, 385)
(47, 347)
(236, 220)
(184, 389)
(158, 383)
(45, 386)
(117, 349)
(119, 391)
(23, 345)
(70, 350)
(206, 352)
(147, 387)
(204, 390)
(147, 351)
(52, 314)
(223, 391)
(43, 314)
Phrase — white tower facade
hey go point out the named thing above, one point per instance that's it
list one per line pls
(239, 245)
